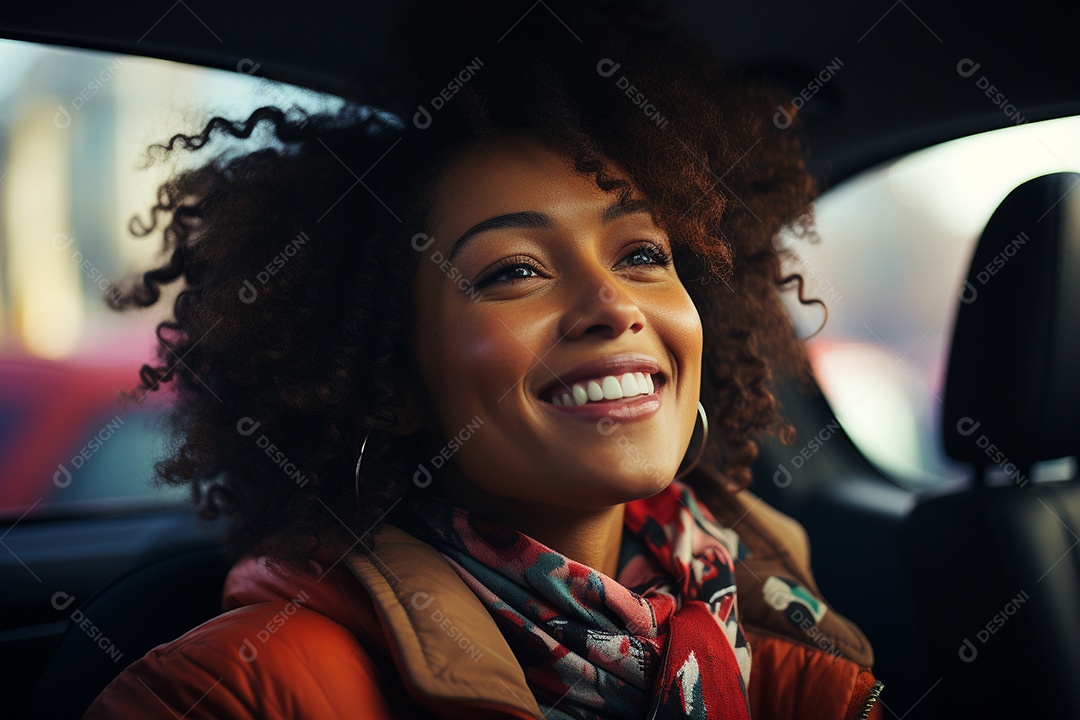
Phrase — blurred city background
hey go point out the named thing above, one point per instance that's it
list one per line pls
(74, 130)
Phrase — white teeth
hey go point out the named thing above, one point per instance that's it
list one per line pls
(612, 388)
(594, 391)
(609, 387)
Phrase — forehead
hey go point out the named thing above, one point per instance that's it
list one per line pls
(518, 173)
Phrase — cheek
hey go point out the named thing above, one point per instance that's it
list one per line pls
(691, 326)
(471, 362)
(478, 353)
(681, 329)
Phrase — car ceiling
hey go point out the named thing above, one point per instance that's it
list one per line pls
(896, 88)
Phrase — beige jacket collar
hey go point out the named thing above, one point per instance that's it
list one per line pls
(442, 638)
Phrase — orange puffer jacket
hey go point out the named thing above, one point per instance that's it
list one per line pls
(396, 633)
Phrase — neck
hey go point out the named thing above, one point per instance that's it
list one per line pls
(590, 536)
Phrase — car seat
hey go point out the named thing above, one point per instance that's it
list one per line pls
(996, 567)
(137, 612)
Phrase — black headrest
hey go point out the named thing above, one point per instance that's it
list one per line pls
(1012, 392)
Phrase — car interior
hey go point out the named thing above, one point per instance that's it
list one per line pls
(934, 465)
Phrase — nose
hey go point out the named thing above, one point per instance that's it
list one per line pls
(598, 303)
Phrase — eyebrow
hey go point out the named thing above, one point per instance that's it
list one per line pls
(534, 220)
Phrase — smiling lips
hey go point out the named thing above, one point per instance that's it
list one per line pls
(607, 387)
(630, 396)
(624, 385)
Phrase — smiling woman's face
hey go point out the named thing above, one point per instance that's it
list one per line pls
(536, 290)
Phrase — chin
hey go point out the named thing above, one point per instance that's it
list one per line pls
(617, 490)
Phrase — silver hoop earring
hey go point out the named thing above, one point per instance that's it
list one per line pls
(358, 461)
(704, 439)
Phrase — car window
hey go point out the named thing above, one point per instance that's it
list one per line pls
(74, 128)
(896, 244)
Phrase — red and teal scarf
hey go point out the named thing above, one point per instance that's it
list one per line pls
(661, 640)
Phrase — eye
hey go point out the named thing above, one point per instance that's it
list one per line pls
(504, 268)
(648, 254)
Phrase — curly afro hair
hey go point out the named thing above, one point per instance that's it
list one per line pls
(293, 320)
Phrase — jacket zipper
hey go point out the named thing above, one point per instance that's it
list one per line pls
(871, 698)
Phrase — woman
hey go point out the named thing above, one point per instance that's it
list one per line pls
(452, 376)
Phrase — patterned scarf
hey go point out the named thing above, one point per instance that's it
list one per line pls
(662, 640)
